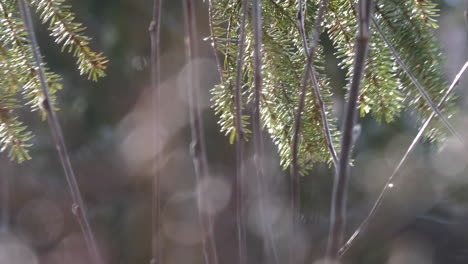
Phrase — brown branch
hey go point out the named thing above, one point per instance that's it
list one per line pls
(240, 134)
(365, 223)
(257, 124)
(154, 31)
(196, 125)
(310, 53)
(78, 207)
(340, 186)
(214, 42)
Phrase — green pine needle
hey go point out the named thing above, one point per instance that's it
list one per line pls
(386, 90)
(19, 79)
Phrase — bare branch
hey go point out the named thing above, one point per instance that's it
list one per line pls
(240, 134)
(365, 223)
(310, 54)
(154, 31)
(340, 186)
(213, 39)
(308, 70)
(466, 12)
(257, 125)
(78, 207)
(196, 125)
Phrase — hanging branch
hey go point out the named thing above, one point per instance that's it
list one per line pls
(78, 207)
(365, 223)
(466, 12)
(240, 134)
(340, 186)
(309, 70)
(196, 124)
(154, 31)
(416, 83)
(257, 125)
(310, 55)
(69, 33)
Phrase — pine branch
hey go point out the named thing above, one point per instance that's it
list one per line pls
(284, 62)
(16, 41)
(13, 134)
(380, 94)
(385, 87)
(340, 186)
(78, 206)
(365, 223)
(10, 83)
(196, 124)
(154, 32)
(413, 38)
(423, 92)
(68, 33)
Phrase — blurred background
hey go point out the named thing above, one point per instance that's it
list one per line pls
(109, 129)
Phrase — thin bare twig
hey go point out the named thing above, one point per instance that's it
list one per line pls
(239, 182)
(365, 223)
(196, 124)
(257, 125)
(298, 119)
(466, 12)
(6, 195)
(214, 42)
(154, 31)
(416, 83)
(340, 186)
(78, 207)
(310, 55)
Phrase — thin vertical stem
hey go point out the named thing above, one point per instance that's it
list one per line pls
(466, 12)
(6, 192)
(365, 223)
(310, 51)
(154, 31)
(417, 83)
(240, 139)
(308, 70)
(257, 125)
(196, 124)
(78, 207)
(340, 186)
(214, 42)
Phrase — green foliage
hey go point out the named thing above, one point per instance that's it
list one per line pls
(68, 33)
(19, 79)
(386, 90)
(284, 61)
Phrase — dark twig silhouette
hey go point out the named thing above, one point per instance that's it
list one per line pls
(198, 144)
(78, 207)
(239, 181)
(340, 186)
(365, 223)
(154, 31)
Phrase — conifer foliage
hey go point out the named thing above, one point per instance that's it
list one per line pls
(19, 78)
(386, 89)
